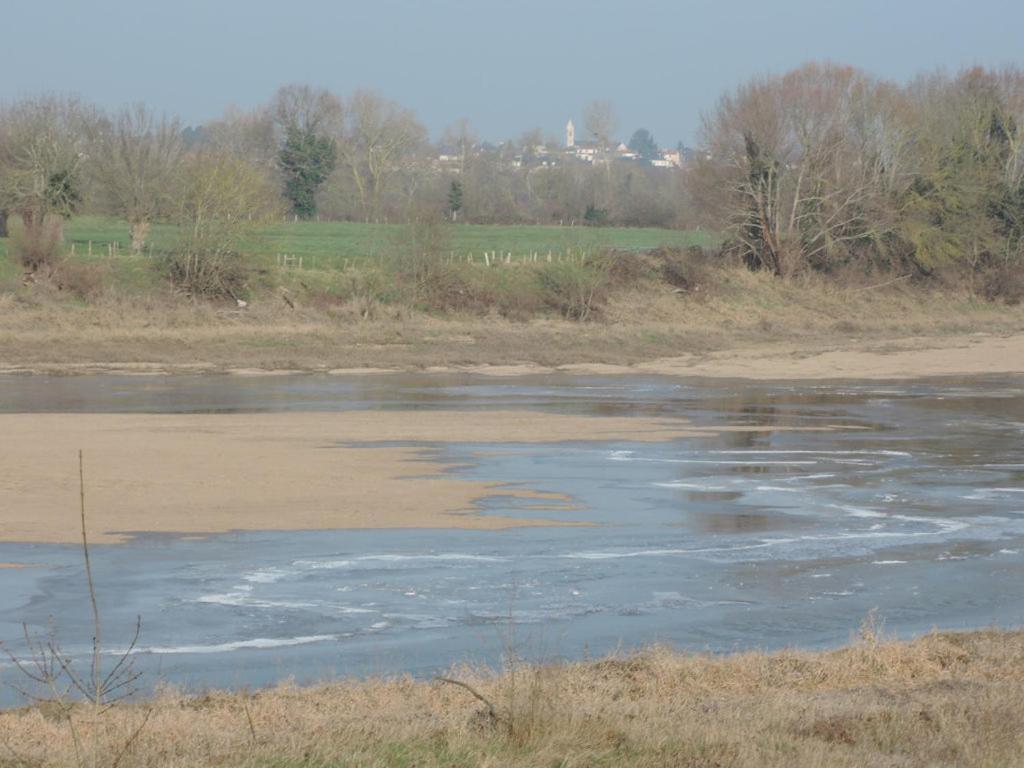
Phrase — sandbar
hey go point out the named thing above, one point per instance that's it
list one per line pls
(213, 473)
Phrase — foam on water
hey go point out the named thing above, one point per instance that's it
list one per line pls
(796, 452)
(258, 643)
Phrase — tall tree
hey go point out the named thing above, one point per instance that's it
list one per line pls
(455, 199)
(642, 142)
(308, 121)
(600, 121)
(380, 139)
(461, 138)
(135, 157)
(801, 166)
(306, 161)
(44, 152)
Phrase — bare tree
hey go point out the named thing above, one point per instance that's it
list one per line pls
(461, 137)
(601, 122)
(135, 158)
(380, 138)
(801, 163)
(247, 135)
(41, 167)
(307, 109)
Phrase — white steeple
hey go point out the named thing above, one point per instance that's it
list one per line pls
(570, 135)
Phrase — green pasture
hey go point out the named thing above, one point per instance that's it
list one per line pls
(330, 243)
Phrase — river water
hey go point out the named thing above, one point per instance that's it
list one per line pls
(908, 500)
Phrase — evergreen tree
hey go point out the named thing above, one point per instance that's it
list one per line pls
(455, 199)
(306, 161)
(644, 145)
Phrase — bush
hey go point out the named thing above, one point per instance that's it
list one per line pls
(85, 280)
(38, 248)
(209, 274)
(222, 199)
(577, 289)
(595, 217)
(418, 250)
(625, 269)
(687, 270)
(1004, 281)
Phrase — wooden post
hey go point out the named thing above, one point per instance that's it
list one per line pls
(90, 247)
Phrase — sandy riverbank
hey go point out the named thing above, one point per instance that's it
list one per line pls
(896, 358)
(281, 471)
(907, 358)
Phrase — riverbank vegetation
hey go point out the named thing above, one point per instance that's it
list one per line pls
(320, 232)
(943, 699)
(636, 307)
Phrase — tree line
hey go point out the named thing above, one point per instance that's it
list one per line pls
(823, 168)
(830, 169)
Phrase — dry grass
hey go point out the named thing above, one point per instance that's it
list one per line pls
(944, 699)
(637, 324)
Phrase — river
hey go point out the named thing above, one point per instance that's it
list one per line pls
(905, 499)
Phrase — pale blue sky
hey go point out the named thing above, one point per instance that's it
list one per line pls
(507, 66)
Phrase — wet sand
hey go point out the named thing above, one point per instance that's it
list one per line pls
(907, 358)
(201, 474)
(895, 358)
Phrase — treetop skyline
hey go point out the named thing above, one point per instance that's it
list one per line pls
(506, 68)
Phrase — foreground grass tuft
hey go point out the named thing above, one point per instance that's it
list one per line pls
(943, 699)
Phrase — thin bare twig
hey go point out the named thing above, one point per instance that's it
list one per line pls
(131, 739)
(96, 640)
(491, 710)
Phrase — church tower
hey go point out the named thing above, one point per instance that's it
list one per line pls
(570, 135)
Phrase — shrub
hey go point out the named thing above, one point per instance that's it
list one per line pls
(1004, 281)
(84, 280)
(38, 248)
(222, 199)
(686, 270)
(209, 273)
(625, 269)
(577, 289)
(595, 217)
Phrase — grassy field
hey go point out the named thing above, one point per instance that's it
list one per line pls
(945, 699)
(324, 244)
